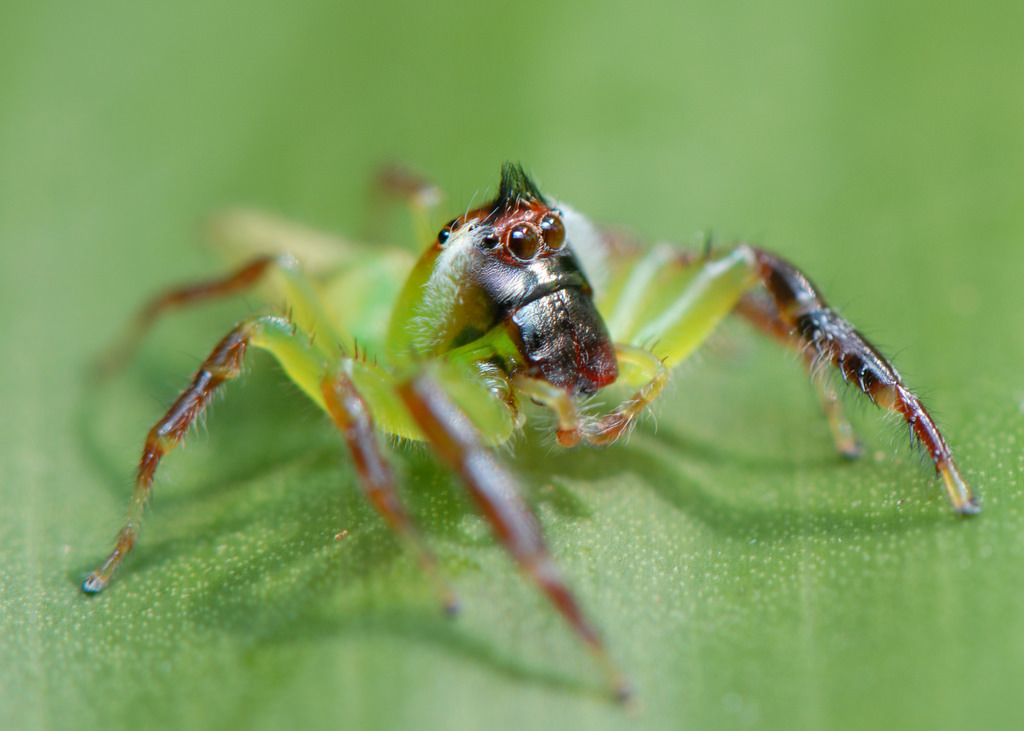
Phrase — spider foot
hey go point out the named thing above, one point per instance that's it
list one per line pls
(95, 583)
(964, 501)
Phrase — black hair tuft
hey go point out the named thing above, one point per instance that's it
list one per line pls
(516, 187)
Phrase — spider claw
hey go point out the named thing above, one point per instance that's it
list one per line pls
(94, 584)
(851, 450)
(971, 507)
(964, 502)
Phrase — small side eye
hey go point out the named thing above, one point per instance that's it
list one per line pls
(445, 233)
(553, 231)
(523, 242)
(489, 240)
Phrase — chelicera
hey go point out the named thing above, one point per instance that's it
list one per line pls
(519, 299)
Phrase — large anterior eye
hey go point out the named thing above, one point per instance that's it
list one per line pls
(553, 230)
(523, 242)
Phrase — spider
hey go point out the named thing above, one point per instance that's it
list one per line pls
(518, 299)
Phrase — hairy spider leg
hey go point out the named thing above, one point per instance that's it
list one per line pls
(240, 235)
(683, 301)
(276, 334)
(351, 414)
(654, 328)
(662, 326)
(672, 305)
(354, 283)
(757, 308)
(304, 360)
(126, 345)
(289, 281)
(456, 439)
(429, 414)
(832, 339)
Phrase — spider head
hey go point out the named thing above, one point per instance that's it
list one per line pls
(501, 256)
(517, 227)
(505, 276)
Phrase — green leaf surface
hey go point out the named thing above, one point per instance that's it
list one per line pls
(742, 574)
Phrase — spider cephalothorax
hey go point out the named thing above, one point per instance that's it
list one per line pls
(499, 308)
(507, 270)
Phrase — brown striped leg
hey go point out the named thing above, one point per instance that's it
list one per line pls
(758, 309)
(830, 338)
(223, 364)
(235, 282)
(495, 491)
(351, 415)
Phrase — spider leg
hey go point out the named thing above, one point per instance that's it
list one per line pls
(495, 491)
(659, 311)
(237, 281)
(761, 313)
(288, 278)
(420, 194)
(351, 414)
(336, 393)
(279, 336)
(671, 303)
(239, 235)
(831, 339)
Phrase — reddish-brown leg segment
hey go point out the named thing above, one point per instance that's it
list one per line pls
(495, 491)
(351, 415)
(223, 364)
(829, 338)
(758, 309)
(235, 282)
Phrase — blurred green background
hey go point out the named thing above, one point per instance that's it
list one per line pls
(742, 574)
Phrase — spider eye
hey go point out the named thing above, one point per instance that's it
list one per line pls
(553, 231)
(523, 242)
(445, 233)
(489, 240)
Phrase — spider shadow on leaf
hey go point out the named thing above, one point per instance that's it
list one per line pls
(700, 478)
